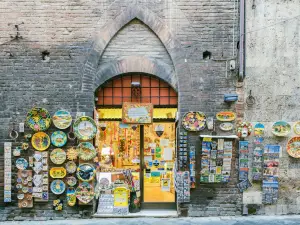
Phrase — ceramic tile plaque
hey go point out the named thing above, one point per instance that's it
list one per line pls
(7, 171)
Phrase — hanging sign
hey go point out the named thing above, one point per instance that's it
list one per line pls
(141, 113)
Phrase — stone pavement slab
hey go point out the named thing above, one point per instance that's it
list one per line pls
(250, 220)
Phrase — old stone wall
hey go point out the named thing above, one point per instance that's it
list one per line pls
(272, 74)
(50, 53)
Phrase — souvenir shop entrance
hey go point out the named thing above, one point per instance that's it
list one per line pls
(147, 150)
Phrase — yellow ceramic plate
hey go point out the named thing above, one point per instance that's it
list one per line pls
(58, 172)
(40, 141)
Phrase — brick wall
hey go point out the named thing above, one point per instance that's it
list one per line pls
(68, 29)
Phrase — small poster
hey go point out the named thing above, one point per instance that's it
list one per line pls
(137, 113)
(121, 197)
(168, 154)
(164, 142)
(165, 184)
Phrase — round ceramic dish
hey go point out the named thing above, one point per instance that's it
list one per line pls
(62, 119)
(281, 128)
(57, 187)
(59, 138)
(226, 126)
(259, 130)
(85, 172)
(38, 119)
(293, 147)
(86, 151)
(21, 164)
(40, 141)
(58, 156)
(194, 121)
(85, 192)
(71, 167)
(85, 128)
(297, 128)
(71, 181)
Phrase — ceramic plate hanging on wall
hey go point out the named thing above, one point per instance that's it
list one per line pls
(59, 138)
(226, 126)
(85, 128)
(58, 172)
(85, 192)
(38, 119)
(297, 128)
(281, 128)
(40, 141)
(293, 147)
(194, 121)
(62, 119)
(259, 130)
(21, 164)
(58, 156)
(86, 151)
(85, 172)
(57, 187)
(71, 167)
(225, 116)
(71, 181)
(72, 153)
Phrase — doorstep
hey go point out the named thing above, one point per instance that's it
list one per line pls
(142, 213)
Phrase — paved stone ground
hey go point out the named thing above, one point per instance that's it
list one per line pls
(257, 220)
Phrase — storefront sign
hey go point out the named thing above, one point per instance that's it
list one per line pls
(137, 113)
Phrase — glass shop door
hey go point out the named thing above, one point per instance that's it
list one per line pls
(157, 166)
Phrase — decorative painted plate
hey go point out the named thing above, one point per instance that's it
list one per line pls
(62, 119)
(38, 119)
(293, 147)
(226, 126)
(85, 192)
(71, 167)
(85, 172)
(297, 128)
(194, 121)
(58, 172)
(85, 128)
(59, 138)
(72, 153)
(21, 164)
(58, 156)
(259, 130)
(57, 187)
(71, 181)
(40, 141)
(86, 151)
(281, 128)
(226, 116)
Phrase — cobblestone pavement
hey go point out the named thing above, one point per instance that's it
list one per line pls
(257, 220)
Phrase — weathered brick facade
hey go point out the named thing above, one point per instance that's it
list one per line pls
(94, 40)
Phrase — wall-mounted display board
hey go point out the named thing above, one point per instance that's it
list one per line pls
(40, 177)
(216, 158)
(243, 160)
(182, 186)
(24, 187)
(270, 184)
(7, 172)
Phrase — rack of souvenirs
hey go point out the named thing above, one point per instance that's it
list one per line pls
(216, 158)
(182, 186)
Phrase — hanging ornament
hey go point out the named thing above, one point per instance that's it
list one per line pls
(134, 127)
(159, 130)
(244, 129)
(102, 126)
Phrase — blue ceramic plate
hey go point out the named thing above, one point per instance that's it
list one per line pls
(59, 138)
(85, 172)
(21, 164)
(57, 187)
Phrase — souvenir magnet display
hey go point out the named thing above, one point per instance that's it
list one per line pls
(85, 192)
(58, 172)
(297, 128)
(85, 128)
(59, 138)
(38, 119)
(281, 128)
(194, 121)
(226, 116)
(86, 151)
(40, 141)
(85, 172)
(62, 119)
(21, 164)
(226, 126)
(71, 167)
(244, 129)
(58, 156)
(293, 147)
(57, 187)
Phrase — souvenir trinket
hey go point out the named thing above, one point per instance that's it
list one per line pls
(281, 128)
(259, 130)
(71, 196)
(85, 128)
(20, 196)
(226, 116)
(71, 167)
(194, 121)
(17, 152)
(297, 128)
(58, 172)
(226, 126)
(58, 138)
(85, 172)
(57, 187)
(38, 119)
(21, 164)
(58, 156)
(27, 137)
(40, 141)
(244, 129)
(58, 205)
(71, 181)
(210, 123)
(25, 146)
(62, 119)
(86, 151)
(293, 147)
(72, 154)
(85, 192)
